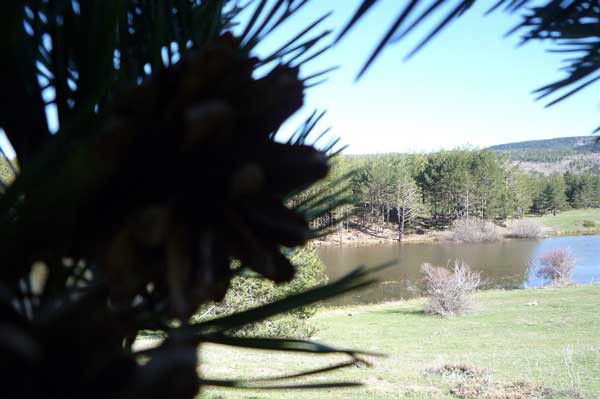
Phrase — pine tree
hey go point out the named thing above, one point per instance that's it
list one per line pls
(99, 239)
(552, 197)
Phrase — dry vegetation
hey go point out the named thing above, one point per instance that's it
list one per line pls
(477, 389)
(469, 382)
(474, 230)
(526, 228)
(557, 265)
(449, 289)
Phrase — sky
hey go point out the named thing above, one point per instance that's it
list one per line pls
(471, 86)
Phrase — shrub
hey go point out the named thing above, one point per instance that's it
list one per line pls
(249, 291)
(461, 370)
(449, 289)
(557, 265)
(525, 228)
(589, 223)
(470, 230)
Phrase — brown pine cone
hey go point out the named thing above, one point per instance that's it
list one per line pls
(203, 182)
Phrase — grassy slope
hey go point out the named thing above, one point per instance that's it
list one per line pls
(571, 222)
(555, 343)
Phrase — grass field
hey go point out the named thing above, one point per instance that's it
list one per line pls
(571, 222)
(546, 338)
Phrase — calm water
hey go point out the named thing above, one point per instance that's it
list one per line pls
(505, 264)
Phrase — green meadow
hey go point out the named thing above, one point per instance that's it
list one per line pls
(532, 343)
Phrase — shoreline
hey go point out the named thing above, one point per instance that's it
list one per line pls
(358, 238)
(325, 310)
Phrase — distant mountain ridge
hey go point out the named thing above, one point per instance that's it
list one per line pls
(574, 154)
(578, 143)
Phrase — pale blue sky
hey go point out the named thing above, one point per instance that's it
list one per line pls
(470, 86)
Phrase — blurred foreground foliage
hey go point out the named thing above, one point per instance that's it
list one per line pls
(145, 137)
(248, 292)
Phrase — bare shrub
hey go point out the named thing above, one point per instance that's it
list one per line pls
(470, 230)
(477, 389)
(525, 228)
(460, 370)
(449, 289)
(557, 265)
(476, 383)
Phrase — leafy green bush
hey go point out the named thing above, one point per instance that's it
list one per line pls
(249, 291)
(589, 223)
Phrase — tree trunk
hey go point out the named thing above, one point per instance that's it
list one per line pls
(402, 225)
(467, 205)
(401, 218)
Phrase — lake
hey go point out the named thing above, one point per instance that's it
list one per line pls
(503, 264)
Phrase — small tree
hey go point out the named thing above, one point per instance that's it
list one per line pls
(552, 197)
(408, 204)
(557, 265)
(449, 289)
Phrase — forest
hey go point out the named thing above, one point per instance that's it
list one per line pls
(421, 191)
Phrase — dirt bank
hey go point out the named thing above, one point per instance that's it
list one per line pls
(360, 235)
(374, 235)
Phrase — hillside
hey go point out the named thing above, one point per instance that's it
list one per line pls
(578, 143)
(574, 154)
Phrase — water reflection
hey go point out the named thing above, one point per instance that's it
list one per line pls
(503, 264)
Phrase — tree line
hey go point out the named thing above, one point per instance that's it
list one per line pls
(420, 191)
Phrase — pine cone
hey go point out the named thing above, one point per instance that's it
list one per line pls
(203, 182)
